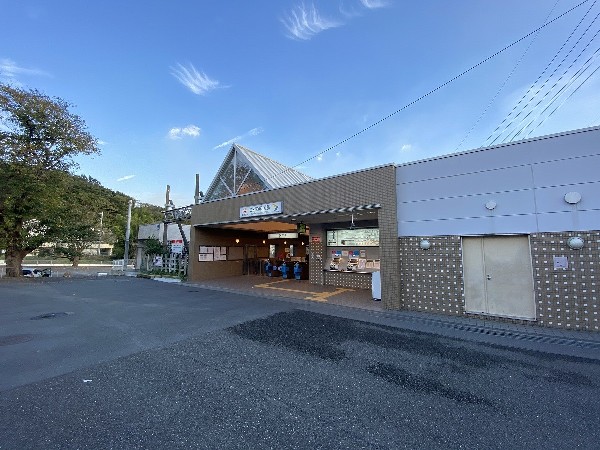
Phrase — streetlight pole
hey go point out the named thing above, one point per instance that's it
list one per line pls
(126, 254)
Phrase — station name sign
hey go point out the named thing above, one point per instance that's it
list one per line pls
(263, 209)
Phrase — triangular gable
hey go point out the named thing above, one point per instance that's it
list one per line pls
(244, 171)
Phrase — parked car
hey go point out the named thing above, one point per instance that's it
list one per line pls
(35, 273)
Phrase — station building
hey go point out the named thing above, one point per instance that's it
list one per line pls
(509, 232)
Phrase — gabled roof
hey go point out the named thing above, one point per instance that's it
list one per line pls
(244, 170)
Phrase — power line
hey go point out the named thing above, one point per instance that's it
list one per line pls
(573, 79)
(487, 141)
(491, 102)
(512, 135)
(358, 133)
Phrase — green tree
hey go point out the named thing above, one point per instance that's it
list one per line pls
(39, 138)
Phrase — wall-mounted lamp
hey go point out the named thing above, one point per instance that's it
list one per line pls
(572, 198)
(425, 244)
(284, 242)
(576, 243)
(237, 241)
(264, 242)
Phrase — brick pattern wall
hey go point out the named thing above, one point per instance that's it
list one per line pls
(567, 298)
(350, 280)
(317, 255)
(376, 185)
(431, 280)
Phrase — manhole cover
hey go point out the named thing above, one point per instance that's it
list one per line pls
(50, 315)
(15, 339)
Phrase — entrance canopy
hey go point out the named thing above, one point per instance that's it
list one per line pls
(285, 222)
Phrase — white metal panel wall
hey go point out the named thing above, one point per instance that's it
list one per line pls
(526, 180)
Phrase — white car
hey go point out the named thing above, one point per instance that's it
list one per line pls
(35, 273)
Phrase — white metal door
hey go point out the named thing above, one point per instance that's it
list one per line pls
(498, 277)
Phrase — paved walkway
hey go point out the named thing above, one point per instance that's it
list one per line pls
(581, 343)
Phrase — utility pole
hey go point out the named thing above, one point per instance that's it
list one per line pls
(126, 255)
(197, 192)
(100, 235)
(165, 224)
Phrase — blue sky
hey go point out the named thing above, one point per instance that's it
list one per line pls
(167, 86)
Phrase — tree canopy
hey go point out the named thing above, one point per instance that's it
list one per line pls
(39, 137)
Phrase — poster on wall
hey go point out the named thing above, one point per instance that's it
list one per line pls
(205, 257)
(212, 253)
(360, 237)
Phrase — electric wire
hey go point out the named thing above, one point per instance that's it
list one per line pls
(491, 102)
(512, 136)
(432, 91)
(567, 98)
(523, 108)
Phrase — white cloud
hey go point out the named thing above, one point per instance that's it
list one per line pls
(101, 142)
(9, 70)
(406, 147)
(178, 133)
(305, 22)
(374, 4)
(252, 132)
(126, 177)
(338, 154)
(320, 157)
(197, 82)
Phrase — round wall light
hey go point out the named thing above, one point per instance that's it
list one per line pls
(491, 205)
(576, 242)
(572, 198)
(237, 241)
(425, 244)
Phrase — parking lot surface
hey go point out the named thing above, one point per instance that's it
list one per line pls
(133, 363)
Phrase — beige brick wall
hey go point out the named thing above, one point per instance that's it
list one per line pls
(567, 298)
(431, 280)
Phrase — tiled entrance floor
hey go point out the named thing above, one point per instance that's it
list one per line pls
(290, 288)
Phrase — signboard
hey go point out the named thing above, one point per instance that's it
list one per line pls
(263, 209)
(282, 236)
(561, 262)
(212, 253)
(360, 237)
(176, 246)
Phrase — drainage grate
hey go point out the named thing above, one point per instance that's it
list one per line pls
(528, 337)
(50, 315)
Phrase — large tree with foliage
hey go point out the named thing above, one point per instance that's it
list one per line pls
(39, 138)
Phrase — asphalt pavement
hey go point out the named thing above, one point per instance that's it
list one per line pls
(132, 363)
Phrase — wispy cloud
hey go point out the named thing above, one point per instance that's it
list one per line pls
(320, 157)
(374, 4)
(101, 142)
(197, 82)
(304, 22)
(126, 177)
(252, 132)
(178, 133)
(406, 147)
(10, 70)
